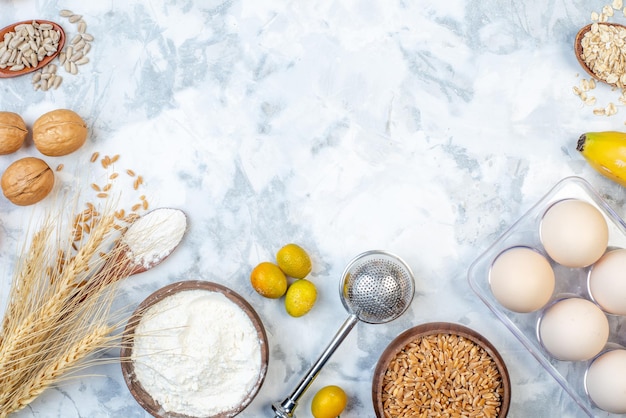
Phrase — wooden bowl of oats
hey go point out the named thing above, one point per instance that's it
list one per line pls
(440, 369)
(598, 49)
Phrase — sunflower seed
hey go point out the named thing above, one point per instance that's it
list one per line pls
(15, 41)
(75, 18)
(57, 82)
(80, 45)
(87, 37)
(5, 57)
(76, 56)
(66, 13)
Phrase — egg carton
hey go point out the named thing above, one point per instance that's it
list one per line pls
(569, 282)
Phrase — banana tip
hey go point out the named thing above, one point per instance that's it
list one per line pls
(580, 146)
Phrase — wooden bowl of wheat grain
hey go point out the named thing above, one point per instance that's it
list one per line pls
(440, 368)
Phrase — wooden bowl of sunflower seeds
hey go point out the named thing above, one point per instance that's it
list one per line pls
(28, 46)
(440, 369)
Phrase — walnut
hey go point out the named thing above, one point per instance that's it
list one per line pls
(13, 132)
(27, 181)
(59, 132)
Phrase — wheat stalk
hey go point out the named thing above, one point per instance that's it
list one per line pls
(21, 290)
(52, 372)
(54, 321)
(47, 314)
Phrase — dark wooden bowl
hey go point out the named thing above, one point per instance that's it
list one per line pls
(436, 328)
(578, 49)
(128, 369)
(6, 73)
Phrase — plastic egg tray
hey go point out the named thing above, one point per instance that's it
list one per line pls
(569, 282)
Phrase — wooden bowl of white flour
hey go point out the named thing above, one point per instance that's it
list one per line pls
(194, 349)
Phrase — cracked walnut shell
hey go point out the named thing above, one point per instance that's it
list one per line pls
(13, 132)
(27, 181)
(59, 132)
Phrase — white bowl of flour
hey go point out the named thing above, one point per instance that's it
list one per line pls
(194, 349)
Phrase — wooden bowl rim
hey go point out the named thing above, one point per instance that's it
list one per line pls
(578, 49)
(433, 328)
(6, 73)
(128, 371)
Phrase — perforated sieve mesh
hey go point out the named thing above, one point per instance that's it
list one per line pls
(377, 287)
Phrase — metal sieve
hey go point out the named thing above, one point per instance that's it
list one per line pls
(376, 287)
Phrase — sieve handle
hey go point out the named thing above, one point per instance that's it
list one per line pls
(286, 408)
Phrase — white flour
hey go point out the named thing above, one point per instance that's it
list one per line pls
(154, 235)
(197, 353)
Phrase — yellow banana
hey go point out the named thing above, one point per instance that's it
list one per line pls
(606, 153)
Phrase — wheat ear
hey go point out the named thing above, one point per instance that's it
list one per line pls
(55, 304)
(52, 373)
(21, 293)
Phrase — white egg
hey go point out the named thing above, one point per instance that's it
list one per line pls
(605, 381)
(574, 233)
(607, 282)
(521, 279)
(573, 329)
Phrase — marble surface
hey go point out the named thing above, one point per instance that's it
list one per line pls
(424, 128)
